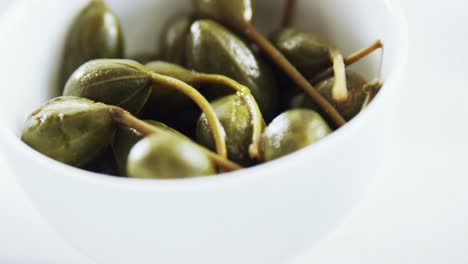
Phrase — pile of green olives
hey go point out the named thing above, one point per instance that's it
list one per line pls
(218, 96)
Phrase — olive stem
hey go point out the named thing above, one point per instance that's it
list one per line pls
(326, 108)
(123, 117)
(290, 7)
(216, 126)
(339, 89)
(369, 88)
(349, 61)
(245, 94)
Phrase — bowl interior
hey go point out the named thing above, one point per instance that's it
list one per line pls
(33, 32)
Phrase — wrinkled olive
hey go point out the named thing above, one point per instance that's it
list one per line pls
(71, 130)
(123, 83)
(211, 48)
(174, 37)
(125, 138)
(168, 156)
(291, 131)
(94, 34)
(349, 108)
(234, 114)
(233, 13)
(306, 51)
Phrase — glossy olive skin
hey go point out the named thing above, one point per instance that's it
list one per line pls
(229, 12)
(291, 131)
(348, 109)
(306, 51)
(95, 33)
(174, 37)
(119, 82)
(236, 119)
(211, 48)
(168, 156)
(125, 138)
(71, 130)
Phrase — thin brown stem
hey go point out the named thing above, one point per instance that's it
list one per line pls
(289, 10)
(349, 61)
(219, 134)
(265, 45)
(244, 93)
(123, 117)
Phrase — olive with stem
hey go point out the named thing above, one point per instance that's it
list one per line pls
(76, 130)
(237, 120)
(309, 53)
(360, 94)
(71, 130)
(211, 47)
(238, 15)
(353, 58)
(195, 78)
(348, 108)
(125, 138)
(125, 118)
(128, 83)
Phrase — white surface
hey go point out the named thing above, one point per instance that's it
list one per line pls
(416, 210)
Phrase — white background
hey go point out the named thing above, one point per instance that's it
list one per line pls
(416, 210)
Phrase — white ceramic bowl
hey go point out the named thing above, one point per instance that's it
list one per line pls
(266, 214)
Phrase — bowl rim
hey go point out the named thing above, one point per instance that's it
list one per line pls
(11, 140)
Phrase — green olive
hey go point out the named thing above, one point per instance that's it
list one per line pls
(291, 131)
(174, 37)
(168, 156)
(231, 12)
(236, 119)
(94, 34)
(166, 102)
(125, 138)
(71, 130)
(306, 51)
(349, 108)
(211, 48)
(123, 83)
